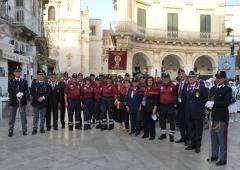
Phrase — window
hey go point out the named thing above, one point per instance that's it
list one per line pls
(19, 3)
(172, 25)
(205, 26)
(51, 13)
(93, 30)
(141, 17)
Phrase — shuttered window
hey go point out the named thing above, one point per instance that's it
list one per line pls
(141, 19)
(172, 22)
(205, 23)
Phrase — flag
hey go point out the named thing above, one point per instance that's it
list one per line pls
(117, 60)
(227, 64)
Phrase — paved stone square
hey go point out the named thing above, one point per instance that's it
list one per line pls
(108, 150)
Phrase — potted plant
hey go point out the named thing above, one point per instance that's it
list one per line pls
(229, 30)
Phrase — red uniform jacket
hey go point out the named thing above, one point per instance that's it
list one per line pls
(98, 92)
(73, 90)
(168, 93)
(87, 92)
(109, 90)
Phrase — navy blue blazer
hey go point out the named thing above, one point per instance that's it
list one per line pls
(14, 87)
(194, 101)
(37, 90)
(222, 99)
(135, 102)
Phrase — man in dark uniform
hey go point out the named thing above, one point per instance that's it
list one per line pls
(87, 102)
(63, 84)
(72, 96)
(194, 97)
(53, 102)
(181, 113)
(40, 92)
(220, 96)
(18, 90)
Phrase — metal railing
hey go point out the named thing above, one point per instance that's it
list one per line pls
(25, 18)
(131, 28)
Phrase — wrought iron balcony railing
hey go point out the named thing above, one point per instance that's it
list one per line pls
(25, 18)
(131, 28)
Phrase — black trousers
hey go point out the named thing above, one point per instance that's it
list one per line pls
(98, 111)
(74, 108)
(107, 106)
(167, 113)
(62, 113)
(183, 120)
(87, 111)
(148, 124)
(52, 109)
(196, 132)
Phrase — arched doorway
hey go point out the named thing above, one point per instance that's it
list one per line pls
(171, 64)
(204, 65)
(140, 63)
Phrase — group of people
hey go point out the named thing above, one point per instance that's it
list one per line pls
(135, 104)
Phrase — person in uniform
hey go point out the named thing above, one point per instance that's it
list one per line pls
(220, 96)
(151, 102)
(80, 79)
(72, 96)
(195, 96)
(87, 92)
(53, 102)
(108, 103)
(133, 102)
(181, 118)
(18, 90)
(98, 102)
(63, 84)
(168, 97)
(40, 92)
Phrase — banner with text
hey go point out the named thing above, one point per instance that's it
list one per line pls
(117, 60)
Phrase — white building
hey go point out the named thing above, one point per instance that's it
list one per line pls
(164, 35)
(95, 54)
(67, 29)
(20, 25)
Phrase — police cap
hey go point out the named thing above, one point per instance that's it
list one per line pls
(221, 74)
(74, 75)
(41, 72)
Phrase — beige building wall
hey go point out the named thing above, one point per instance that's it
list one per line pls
(68, 35)
(154, 50)
(95, 58)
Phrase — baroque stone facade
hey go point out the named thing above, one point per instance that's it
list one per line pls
(165, 35)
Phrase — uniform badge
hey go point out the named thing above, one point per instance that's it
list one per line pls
(197, 94)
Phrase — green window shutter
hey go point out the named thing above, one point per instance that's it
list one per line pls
(172, 22)
(141, 19)
(205, 23)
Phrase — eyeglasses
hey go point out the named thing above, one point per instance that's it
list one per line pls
(191, 76)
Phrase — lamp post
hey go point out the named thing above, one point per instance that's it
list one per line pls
(232, 47)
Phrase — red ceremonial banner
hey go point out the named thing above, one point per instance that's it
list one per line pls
(117, 60)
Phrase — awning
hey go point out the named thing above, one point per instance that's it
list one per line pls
(14, 57)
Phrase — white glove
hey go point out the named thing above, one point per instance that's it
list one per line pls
(19, 94)
(209, 104)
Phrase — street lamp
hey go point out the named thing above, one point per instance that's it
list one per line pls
(232, 47)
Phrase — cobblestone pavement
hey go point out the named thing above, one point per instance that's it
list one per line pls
(108, 150)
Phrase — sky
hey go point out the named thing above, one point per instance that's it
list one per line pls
(100, 9)
(103, 9)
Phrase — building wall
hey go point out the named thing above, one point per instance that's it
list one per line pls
(95, 61)
(106, 45)
(68, 35)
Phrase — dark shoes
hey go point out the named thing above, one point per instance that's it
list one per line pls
(10, 133)
(48, 129)
(163, 136)
(137, 133)
(221, 163)
(197, 150)
(190, 147)
(42, 130)
(145, 136)
(171, 138)
(55, 128)
(111, 127)
(103, 127)
(63, 126)
(212, 159)
(131, 133)
(79, 127)
(70, 128)
(180, 141)
(24, 133)
(34, 132)
(98, 126)
(152, 138)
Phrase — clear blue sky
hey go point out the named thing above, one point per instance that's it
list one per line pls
(100, 9)
(103, 9)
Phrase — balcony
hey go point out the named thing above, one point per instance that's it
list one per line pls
(4, 17)
(132, 29)
(25, 19)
